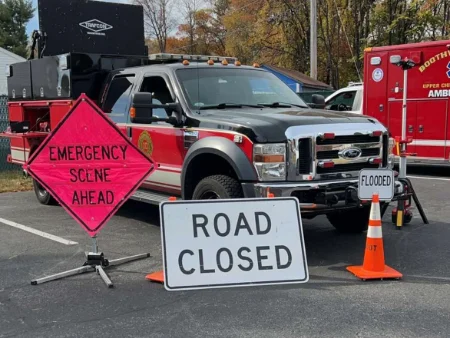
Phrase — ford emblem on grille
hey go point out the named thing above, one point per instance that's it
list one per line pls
(350, 153)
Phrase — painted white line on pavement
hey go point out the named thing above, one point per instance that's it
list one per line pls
(37, 232)
(429, 178)
(431, 277)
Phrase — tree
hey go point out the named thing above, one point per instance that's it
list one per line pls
(14, 16)
(277, 32)
(190, 14)
(158, 19)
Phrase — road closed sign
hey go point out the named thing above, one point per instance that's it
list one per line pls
(230, 243)
(380, 181)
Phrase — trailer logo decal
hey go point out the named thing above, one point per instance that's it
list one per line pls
(95, 26)
(377, 74)
(145, 143)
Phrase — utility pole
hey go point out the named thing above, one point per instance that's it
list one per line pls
(313, 45)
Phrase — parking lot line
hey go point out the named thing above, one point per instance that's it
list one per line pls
(37, 232)
(429, 178)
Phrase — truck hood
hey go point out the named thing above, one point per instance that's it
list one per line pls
(270, 124)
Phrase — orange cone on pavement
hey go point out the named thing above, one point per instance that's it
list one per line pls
(157, 276)
(374, 266)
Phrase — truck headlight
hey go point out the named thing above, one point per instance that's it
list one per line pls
(270, 161)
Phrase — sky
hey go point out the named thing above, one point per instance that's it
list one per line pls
(34, 23)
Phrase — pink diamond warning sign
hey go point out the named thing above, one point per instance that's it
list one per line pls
(89, 166)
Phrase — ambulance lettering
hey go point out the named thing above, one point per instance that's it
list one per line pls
(439, 93)
(433, 59)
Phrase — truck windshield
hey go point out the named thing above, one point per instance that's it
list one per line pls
(235, 88)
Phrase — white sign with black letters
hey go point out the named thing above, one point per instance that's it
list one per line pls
(379, 181)
(234, 242)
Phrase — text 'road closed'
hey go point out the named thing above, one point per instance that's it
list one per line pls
(231, 243)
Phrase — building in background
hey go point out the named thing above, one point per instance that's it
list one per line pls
(300, 83)
(6, 58)
(297, 81)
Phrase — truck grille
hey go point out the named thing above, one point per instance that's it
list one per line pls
(332, 154)
(347, 139)
(305, 160)
(341, 156)
(347, 167)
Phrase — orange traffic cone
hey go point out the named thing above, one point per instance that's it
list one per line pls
(374, 266)
(158, 276)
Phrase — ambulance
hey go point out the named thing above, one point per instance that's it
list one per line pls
(428, 94)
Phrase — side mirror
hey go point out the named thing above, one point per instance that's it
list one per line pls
(142, 110)
(318, 101)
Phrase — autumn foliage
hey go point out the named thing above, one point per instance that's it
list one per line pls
(278, 31)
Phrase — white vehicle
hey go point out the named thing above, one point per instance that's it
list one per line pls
(348, 99)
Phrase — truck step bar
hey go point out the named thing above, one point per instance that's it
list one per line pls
(149, 197)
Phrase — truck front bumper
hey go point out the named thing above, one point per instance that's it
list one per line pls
(316, 198)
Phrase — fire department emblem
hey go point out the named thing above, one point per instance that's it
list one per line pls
(145, 143)
(448, 70)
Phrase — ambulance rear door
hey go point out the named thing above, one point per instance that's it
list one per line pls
(375, 85)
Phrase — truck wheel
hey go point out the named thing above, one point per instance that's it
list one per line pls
(217, 187)
(43, 195)
(350, 221)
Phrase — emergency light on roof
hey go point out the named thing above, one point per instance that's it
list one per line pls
(181, 57)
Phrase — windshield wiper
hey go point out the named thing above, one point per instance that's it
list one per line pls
(281, 105)
(229, 105)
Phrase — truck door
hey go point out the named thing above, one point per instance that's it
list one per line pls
(160, 140)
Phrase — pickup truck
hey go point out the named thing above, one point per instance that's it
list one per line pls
(348, 99)
(218, 129)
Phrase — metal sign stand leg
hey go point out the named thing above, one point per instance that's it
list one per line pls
(95, 262)
(406, 65)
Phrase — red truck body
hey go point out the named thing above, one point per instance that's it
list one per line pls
(428, 95)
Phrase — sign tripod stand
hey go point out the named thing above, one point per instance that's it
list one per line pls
(405, 64)
(95, 262)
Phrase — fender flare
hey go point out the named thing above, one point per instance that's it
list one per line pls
(224, 148)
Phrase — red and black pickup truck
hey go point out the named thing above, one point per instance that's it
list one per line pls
(215, 128)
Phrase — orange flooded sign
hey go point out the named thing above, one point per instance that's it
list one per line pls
(89, 166)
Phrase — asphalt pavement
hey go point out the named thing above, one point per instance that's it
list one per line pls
(334, 303)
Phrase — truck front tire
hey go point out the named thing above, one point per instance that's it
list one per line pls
(217, 187)
(350, 221)
(43, 195)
